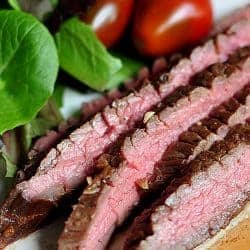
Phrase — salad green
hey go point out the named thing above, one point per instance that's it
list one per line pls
(28, 68)
(15, 4)
(83, 56)
(129, 68)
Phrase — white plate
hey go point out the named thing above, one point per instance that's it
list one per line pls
(47, 237)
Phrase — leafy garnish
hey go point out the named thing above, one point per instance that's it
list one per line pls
(28, 68)
(49, 117)
(10, 153)
(58, 95)
(7, 168)
(39, 8)
(10, 166)
(83, 56)
(50, 112)
(14, 4)
(129, 68)
(17, 143)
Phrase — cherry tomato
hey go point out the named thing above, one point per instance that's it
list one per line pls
(163, 26)
(109, 19)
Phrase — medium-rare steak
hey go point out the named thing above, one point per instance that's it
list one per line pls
(108, 202)
(45, 143)
(198, 138)
(68, 164)
(197, 206)
(191, 143)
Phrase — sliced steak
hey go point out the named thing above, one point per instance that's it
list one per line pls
(191, 143)
(198, 138)
(214, 50)
(194, 208)
(43, 144)
(108, 201)
(68, 164)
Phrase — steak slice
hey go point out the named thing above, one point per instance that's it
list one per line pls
(191, 143)
(198, 138)
(68, 164)
(109, 200)
(195, 207)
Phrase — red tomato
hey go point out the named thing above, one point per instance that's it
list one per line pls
(109, 18)
(163, 26)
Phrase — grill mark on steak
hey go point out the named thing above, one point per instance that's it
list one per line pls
(205, 78)
(198, 138)
(71, 165)
(143, 226)
(121, 181)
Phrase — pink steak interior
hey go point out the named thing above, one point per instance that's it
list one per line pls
(204, 206)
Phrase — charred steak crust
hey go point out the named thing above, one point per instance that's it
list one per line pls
(75, 156)
(142, 226)
(211, 76)
(13, 216)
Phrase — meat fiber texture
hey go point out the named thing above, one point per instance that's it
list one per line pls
(94, 219)
(43, 144)
(196, 207)
(199, 137)
(191, 143)
(68, 164)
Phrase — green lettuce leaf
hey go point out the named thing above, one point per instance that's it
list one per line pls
(49, 117)
(58, 95)
(129, 68)
(14, 4)
(7, 168)
(10, 167)
(9, 153)
(28, 68)
(83, 56)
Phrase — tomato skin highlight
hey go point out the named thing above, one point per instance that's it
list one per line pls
(108, 18)
(164, 26)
